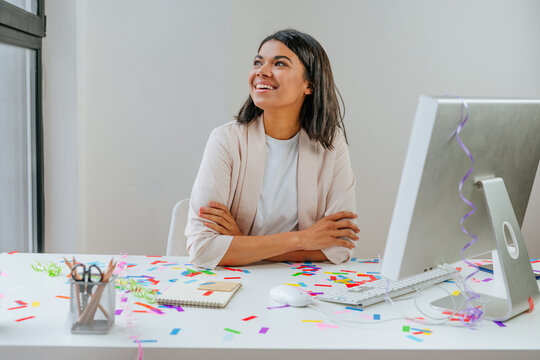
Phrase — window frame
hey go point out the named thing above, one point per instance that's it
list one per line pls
(23, 29)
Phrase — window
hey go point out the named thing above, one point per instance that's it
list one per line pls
(22, 26)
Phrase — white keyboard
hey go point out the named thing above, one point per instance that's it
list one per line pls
(375, 291)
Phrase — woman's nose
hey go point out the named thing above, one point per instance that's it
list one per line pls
(264, 71)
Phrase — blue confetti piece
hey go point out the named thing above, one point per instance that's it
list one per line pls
(353, 259)
(208, 283)
(376, 317)
(246, 271)
(190, 281)
(152, 269)
(228, 337)
(146, 341)
(175, 331)
(352, 308)
(302, 284)
(173, 280)
(415, 338)
(373, 272)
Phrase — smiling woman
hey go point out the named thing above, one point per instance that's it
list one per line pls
(277, 184)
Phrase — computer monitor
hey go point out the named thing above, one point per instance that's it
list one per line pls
(503, 136)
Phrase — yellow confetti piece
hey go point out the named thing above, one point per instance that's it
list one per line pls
(456, 293)
(312, 321)
(35, 304)
(293, 284)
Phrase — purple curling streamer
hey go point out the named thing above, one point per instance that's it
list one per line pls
(471, 313)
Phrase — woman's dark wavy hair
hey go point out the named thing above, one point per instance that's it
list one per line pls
(321, 115)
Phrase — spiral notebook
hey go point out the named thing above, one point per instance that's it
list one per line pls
(211, 294)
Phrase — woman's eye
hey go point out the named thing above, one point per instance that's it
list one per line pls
(280, 63)
(257, 63)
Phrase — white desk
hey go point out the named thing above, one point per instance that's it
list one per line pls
(202, 334)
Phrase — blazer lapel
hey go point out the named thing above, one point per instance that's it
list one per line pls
(254, 174)
(307, 181)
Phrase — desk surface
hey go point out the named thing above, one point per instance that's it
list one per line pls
(292, 332)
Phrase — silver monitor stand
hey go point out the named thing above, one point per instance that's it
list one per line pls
(517, 275)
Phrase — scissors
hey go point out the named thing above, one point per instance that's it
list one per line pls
(85, 276)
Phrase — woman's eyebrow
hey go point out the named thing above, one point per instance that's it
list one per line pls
(277, 57)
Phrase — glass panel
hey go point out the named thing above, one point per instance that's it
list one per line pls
(17, 149)
(28, 5)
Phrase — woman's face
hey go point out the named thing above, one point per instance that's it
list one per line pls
(277, 79)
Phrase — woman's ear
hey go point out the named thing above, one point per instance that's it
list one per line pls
(309, 89)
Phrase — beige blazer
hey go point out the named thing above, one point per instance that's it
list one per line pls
(232, 171)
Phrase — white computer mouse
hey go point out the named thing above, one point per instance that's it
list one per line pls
(290, 295)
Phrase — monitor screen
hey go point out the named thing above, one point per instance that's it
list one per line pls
(502, 135)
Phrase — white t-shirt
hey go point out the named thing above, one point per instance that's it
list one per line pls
(277, 211)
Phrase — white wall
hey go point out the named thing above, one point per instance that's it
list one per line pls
(156, 77)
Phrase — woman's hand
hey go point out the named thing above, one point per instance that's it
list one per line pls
(329, 231)
(220, 215)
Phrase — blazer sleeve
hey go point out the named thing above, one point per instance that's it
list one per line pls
(205, 246)
(341, 196)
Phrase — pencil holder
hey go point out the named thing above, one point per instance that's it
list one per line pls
(92, 306)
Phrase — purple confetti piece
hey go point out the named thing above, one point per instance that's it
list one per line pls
(488, 279)
(117, 312)
(278, 307)
(263, 330)
(500, 323)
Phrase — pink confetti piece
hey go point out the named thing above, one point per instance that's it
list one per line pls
(342, 311)
(323, 326)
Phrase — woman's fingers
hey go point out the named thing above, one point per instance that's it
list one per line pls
(217, 219)
(347, 224)
(220, 229)
(342, 215)
(217, 205)
(348, 234)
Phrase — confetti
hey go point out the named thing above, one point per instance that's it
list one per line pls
(62, 297)
(278, 307)
(233, 331)
(249, 318)
(175, 331)
(26, 318)
(500, 323)
(312, 321)
(325, 326)
(263, 330)
(417, 339)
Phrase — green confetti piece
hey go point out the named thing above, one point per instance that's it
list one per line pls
(231, 330)
(406, 328)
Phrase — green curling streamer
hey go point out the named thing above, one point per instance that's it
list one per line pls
(136, 289)
(50, 267)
